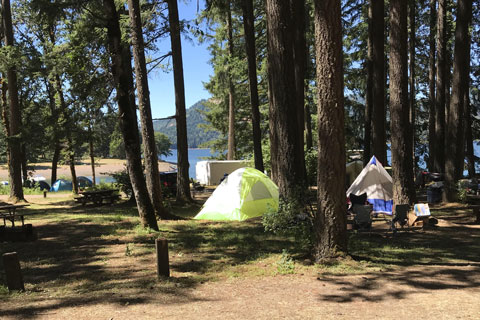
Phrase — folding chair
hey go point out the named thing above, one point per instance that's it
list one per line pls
(400, 216)
(362, 219)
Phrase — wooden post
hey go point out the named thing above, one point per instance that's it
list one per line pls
(13, 272)
(163, 266)
(44, 193)
(476, 212)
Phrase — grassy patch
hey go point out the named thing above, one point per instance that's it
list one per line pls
(91, 251)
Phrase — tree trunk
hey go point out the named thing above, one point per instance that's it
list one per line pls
(403, 187)
(183, 181)
(283, 110)
(24, 163)
(378, 47)
(412, 93)
(249, 28)
(148, 134)
(367, 138)
(330, 219)
(431, 87)
(439, 160)
(299, 55)
(455, 137)
(55, 158)
(71, 162)
(231, 155)
(122, 75)
(15, 117)
(92, 154)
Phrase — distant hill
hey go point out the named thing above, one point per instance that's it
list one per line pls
(196, 135)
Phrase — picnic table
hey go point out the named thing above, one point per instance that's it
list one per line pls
(97, 196)
(9, 212)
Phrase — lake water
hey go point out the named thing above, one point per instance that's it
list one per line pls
(194, 155)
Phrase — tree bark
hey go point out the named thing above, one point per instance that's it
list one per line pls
(367, 137)
(15, 116)
(412, 93)
(148, 134)
(283, 101)
(92, 154)
(439, 160)
(299, 55)
(71, 162)
(403, 187)
(231, 153)
(431, 86)
(455, 134)
(330, 219)
(379, 140)
(183, 181)
(55, 158)
(249, 28)
(122, 75)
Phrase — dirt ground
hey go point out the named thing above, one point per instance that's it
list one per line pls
(128, 288)
(83, 168)
(420, 291)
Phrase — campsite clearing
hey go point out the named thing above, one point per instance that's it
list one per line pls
(96, 263)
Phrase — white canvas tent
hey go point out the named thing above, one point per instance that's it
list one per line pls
(210, 172)
(377, 183)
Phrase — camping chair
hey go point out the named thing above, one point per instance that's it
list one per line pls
(362, 219)
(400, 216)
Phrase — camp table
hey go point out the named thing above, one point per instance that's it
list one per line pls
(98, 196)
(9, 212)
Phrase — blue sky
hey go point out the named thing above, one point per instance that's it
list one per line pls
(196, 70)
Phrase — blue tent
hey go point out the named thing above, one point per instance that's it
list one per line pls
(61, 185)
(84, 182)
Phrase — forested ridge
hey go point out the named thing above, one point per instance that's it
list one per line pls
(196, 133)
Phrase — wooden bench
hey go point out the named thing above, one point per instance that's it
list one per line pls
(97, 197)
(10, 213)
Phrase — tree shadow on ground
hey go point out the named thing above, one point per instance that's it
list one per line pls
(81, 258)
(414, 261)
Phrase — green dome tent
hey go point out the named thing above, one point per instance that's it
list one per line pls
(245, 193)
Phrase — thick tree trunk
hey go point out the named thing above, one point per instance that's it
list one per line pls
(24, 164)
(439, 159)
(367, 137)
(15, 117)
(283, 110)
(148, 134)
(330, 219)
(403, 187)
(249, 28)
(455, 132)
(412, 93)
(379, 140)
(231, 153)
(183, 181)
(122, 75)
(431, 86)
(299, 55)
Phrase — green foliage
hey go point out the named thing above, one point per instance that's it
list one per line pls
(290, 220)
(285, 265)
(163, 144)
(311, 163)
(122, 182)
(462, 192)
(117, 145)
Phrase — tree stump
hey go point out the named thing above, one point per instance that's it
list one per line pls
(163, 266)
(13, 272)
